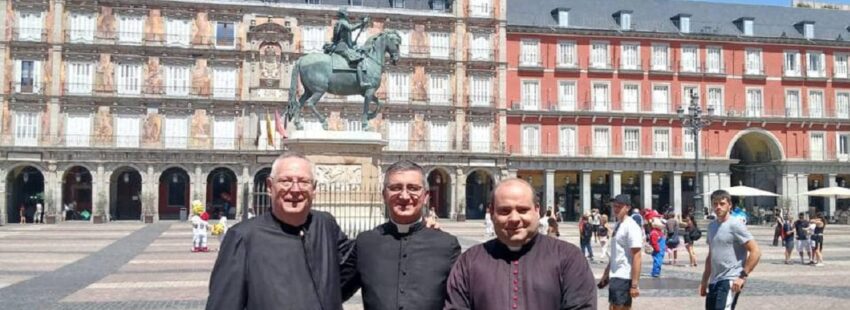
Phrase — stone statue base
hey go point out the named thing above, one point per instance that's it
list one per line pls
(347, 171)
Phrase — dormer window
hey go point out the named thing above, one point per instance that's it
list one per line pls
(747, 25)
(562, 16)
(399, 4)
(625, 19)
(809, 30)
(684, 21)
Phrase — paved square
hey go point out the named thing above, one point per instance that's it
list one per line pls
(135, 266)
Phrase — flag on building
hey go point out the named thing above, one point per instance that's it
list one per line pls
(279, 125)
(269, 132)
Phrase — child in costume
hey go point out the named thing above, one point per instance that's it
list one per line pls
(199, 227)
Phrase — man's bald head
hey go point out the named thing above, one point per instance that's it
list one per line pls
(514, 212)
(512, 184)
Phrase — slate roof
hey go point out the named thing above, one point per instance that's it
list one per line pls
(408, 4)
(706, 18)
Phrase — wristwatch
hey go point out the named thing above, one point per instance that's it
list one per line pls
(634, 286)
(743, 275)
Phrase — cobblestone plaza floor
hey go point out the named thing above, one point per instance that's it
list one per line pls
(135, 266)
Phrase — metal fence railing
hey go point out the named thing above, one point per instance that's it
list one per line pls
(357, 208)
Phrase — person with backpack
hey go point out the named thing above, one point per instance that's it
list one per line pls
(673, 240)
(787, 234)
(585, 232)
(692, 234)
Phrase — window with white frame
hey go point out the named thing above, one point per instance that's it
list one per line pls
(842, 104)
(314, 38)
(792, 103)
(30, 25)
(601, 96)
(660, 98)
(567, 141)
(399, 87)
(479, 8)
(130, 28)
(80, 77)
(809, 30)
(531, 140)
(404, 48)
(753, 61)
(178, 80)
(81, 27)
(690, 58)
(567, 95)
(398, 135)
(601, 141)
(436, 5)
(225, 34)
(479, 137)
(631, 142)
(684, 24)
(224, 82)
(748, 27)
(754, 103)
(686, 95)
(713, 59)
(630, 58)
(481, 47)
(660, 57)
(439, 134)
(599, 55)
(129, 78)
(815, 103)
(625, 21)
(567, 54)
(26, 128)
(816, 146)
(815, 64)
(661, 142)
(792, 63)
(224, 133)
(127, 130)
(688, 146)
(438, 89)
(399, 4)
(440, 45)
(841, 66)
(178, 31)
(631, 97)
(177, 132)
(843, 145)
(27, 76)
(77, 130)
(715, 99)
(480, 91)
(529, 53)
(563, 18)
(530, 95)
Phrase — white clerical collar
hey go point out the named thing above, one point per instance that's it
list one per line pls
(514, 248)
(404, 228)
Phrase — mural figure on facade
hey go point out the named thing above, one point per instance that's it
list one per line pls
(332, 72)
(153, 127)
(103, 125)
(270, 68)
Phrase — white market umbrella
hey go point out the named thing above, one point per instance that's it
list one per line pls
(746, 191)
(832, 191)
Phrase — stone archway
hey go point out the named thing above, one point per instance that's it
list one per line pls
(126, 194)
(261, 202)
(77, 193)
(439, 184)
(221, 193)
(759, 159)
(24, 188)
(479, 184)
(173, 193)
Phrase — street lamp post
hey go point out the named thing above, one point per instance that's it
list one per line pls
(696, 119)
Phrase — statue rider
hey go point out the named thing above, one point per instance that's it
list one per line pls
(343, 45)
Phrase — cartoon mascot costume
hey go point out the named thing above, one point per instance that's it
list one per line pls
(199, 227)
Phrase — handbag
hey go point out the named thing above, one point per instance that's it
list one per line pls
(647, 248)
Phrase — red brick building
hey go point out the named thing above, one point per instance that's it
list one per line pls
(593, 89)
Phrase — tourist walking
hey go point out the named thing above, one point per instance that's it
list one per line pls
(595, 219)
(788, 238)
(801, 227)
(692, 234)
(623, 270)
(778, 224)
(585, 232)
(817, 238)
(673, 240)
(602, 232)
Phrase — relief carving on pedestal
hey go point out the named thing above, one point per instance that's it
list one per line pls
(347, 177)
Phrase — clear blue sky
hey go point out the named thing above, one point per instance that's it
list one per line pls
(773, 2)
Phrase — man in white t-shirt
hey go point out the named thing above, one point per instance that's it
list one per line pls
(623, 270)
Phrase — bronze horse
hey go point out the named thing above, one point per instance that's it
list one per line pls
(329, 73)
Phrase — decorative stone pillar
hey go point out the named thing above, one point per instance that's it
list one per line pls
(676, 186)
(459, 212)
(709, 184)
(150, 192)
(199, 184)
(550, 190)
(725, 180)
(616, 183)
(512, 173)
(830, 204)
(3, 207)
(585, 191)
(802, 187)
(107, 188)
(646, 190)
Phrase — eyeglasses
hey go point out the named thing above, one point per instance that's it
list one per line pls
(287, 184)
(414, 190)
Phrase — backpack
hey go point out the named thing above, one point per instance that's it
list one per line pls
(695, 234)
(587, 230)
